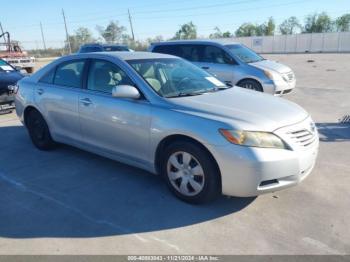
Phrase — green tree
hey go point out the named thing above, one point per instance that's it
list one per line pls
(290, 26)
(318, 23)
(218, 34)
(246, 29)
(249, 29)
(227, 34)
(113, 32)
(186, 31)
(81, 36)
(343, 23)
(269, 27)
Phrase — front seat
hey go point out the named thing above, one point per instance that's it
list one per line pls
(102, 80)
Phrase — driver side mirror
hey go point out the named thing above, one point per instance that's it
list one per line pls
(126, 91)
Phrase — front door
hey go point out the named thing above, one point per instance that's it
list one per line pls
(116, 126)
(218, 63)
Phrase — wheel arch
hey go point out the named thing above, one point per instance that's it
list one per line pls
(27, 110)
(249, 78)
(166, 141)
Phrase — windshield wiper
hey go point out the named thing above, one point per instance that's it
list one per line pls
(182, 94)
(200, 92)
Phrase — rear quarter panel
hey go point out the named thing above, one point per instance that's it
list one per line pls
(24, 97)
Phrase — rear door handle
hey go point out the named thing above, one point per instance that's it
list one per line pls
(40, 91)
(205, 67)
(85, 101)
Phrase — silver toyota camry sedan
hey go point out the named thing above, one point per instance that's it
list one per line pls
(165, 115)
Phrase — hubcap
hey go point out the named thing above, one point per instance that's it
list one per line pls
(185, 173)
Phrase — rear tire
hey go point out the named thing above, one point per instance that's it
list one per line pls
(29, 70)
(39, 131)
(250, 84)
(190, 172)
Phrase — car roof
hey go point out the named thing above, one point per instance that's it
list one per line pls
(225, 41)
(98, 44)
(125, 55)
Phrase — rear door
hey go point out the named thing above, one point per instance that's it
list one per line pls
(56, 95)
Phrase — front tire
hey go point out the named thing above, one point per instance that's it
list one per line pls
(191, 173)
(39, 131)
(250, 84)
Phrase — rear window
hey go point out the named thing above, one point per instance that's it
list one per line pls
(48, 77)
(90, 49)
(115, 48)
(167, 49)
(196, 53)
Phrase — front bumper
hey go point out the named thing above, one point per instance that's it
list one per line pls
(249, 171)
(278, 88)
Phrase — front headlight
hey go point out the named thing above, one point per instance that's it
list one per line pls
(269, 74)
(273, 75)
(253, 138)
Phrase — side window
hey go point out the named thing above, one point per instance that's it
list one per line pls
(48, 77)
(91, 49)
(167, 49)
(104, 75)
(213, 54)
(190, 52)
(70, 74)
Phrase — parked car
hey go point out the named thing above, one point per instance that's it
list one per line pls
(9, 76)
(88, 48)
(233, 64)
(165, 115)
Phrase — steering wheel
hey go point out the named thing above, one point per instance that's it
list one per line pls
(182, 82)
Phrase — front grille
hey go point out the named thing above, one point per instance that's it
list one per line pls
(303, 137)
(287, 91)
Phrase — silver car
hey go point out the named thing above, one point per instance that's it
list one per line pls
(165, 115)
(233, 64)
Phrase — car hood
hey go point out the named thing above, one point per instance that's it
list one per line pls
(9, 78)
(241, 108)
(271, 65)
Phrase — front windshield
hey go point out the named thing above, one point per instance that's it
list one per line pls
(5, 67)
(245, 54)
(173, 77)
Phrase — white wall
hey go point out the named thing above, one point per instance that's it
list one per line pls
(298, 43)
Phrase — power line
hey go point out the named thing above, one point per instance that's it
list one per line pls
(224, 12)
(197, 7)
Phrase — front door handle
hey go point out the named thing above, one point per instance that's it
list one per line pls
(205, 67)
(85, 101)
(40, 91)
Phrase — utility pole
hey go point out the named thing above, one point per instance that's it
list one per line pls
(67, 36)
(131, 27)
(2, 32)
(42, 35)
